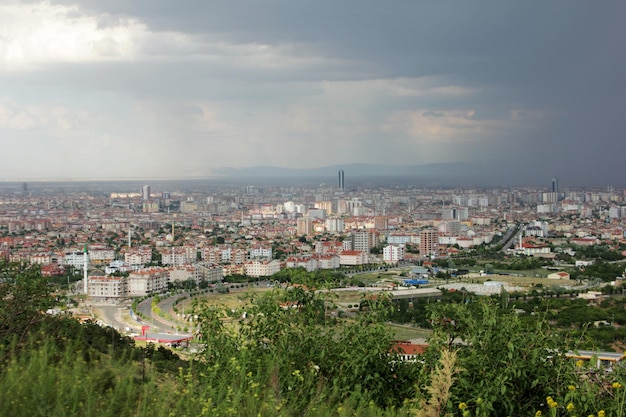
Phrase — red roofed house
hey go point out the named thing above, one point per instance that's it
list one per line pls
(408, 351)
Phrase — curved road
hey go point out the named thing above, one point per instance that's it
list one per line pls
(120, 317)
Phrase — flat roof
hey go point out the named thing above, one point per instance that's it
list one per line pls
(588, 354)
(415, 293)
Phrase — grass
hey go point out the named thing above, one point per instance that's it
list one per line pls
(231, 300)
(408, 332)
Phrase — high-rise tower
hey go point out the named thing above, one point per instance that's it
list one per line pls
(145, 192)
(340, 180)
(555, 188)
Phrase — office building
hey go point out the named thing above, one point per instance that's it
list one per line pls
(341, 180)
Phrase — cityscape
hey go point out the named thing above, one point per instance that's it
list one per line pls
(312, 208)
(132, 240)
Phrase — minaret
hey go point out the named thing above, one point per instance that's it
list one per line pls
(129, 241)
(85, 264)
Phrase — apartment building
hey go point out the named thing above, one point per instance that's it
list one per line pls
(353, 257)
(107, 287)
(147, 281)
(429, 242)
(138, 256)
(393, 253)
(262, 268)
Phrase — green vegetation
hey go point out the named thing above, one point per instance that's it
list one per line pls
(599, 269)
(603, 252)
(286, 352)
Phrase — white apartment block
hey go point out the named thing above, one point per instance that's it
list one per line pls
(330, 261)
(334, 225)
(212, 255)
(178, 255)
(41, 259)
(364, 240)
(393, 253)
(138, 256)
(107, 287)
(174, 258)
(147, 281)
(259, 252)
(353, 257)
(239, 256)
(101, 255)
(120, 266)
(329, 247)
(75, 259)
(403, 239)
(308, 263)
(262, 268)
(225, 255)
(182, 273)
(546, 208)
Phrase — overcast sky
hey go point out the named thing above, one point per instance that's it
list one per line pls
(161, 88)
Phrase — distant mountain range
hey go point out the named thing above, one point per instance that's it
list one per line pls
(460, 173)
(356, 170)
(488, 173)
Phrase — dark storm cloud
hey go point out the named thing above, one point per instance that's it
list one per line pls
(543, 53)
(539, 84)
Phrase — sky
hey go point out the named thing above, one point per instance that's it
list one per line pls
(175, 89)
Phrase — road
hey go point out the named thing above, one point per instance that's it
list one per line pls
(116, 316)
(121, 317)
(508, 239)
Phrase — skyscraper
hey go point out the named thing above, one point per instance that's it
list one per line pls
(145, 192)
(555, 189)
(555, 185)
(340, 180)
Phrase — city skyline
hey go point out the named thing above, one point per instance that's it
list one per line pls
(517, 93)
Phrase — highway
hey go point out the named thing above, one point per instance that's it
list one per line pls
(509, 238)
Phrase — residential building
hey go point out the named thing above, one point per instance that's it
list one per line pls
(107, 287)
(393, 253)
(147, 281)
(262, 268)
(429, 242)
(353, 257)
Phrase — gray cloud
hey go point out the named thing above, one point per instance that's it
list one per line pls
(300, 83)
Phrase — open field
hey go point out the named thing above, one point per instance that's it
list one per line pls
(402, 332)
(372, 277)
(523, 281)
(231, 300)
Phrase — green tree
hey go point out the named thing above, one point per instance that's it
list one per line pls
(288, 340)
(509, 366)
(25, 296)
